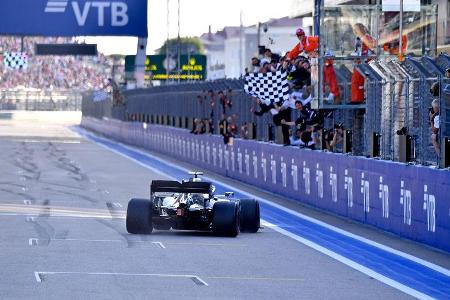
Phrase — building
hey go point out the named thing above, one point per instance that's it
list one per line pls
(229, 51)
(439, 24)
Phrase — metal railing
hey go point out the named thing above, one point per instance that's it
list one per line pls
(397, 95)
(40, 100)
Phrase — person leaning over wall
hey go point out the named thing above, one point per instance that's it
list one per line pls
(434, 122)
(435, 87)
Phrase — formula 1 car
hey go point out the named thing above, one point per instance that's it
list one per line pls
(191, 205)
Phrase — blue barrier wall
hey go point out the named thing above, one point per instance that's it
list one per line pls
(411, 201)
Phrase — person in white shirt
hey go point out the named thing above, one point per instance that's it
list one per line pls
(434, 121)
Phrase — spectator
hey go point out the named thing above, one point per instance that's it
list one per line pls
(330, 81)
(307, 44)
(435, 88)
(256, 64)
(301, 76)
(334, 139)
(199, 126)
(268, 55)
(223, 101)
(296, 139)
(368, 45)
(244, 132)
(434, 122)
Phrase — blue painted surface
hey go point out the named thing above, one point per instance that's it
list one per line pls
(395, 267)
(74, 18)
(423, 217)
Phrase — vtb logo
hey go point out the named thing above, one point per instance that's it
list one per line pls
(119, 16)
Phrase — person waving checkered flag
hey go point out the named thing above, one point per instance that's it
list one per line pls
(15, 60)
(269, 87)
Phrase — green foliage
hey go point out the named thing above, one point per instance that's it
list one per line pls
(188, 45)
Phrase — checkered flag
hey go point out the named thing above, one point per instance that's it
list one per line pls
(269, 87)
(15, 60)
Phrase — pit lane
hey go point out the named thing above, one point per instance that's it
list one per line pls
(62, 228)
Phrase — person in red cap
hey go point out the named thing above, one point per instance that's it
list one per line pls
(308, 44)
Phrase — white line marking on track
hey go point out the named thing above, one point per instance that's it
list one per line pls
(305, 217)
(117, 205)
(38, 275)
(55, 215)
(159, 244)
(199, 281)
(352, 264)
(300, 215)
(334, 255)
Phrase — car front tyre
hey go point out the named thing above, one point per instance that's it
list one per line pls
(249, 215)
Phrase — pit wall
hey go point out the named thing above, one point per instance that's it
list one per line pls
(410, 201)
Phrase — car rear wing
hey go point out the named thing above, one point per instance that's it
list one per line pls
(169, 186)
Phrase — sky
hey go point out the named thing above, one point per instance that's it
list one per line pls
(195, 17)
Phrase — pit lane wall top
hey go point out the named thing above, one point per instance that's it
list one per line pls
(74, 18)
(410, 201)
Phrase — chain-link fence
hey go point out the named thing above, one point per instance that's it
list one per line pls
(395, 118)
(40, 100)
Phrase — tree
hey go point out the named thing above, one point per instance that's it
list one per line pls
(188, 45)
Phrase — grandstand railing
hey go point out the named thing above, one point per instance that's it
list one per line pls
(40, 100)
(397, 94)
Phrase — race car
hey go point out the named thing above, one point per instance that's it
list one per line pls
(192, 205)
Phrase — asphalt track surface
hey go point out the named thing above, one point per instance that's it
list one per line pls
(62, 235)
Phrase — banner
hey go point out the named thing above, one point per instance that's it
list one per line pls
(74, 18)
(193, 67)
(410, 201)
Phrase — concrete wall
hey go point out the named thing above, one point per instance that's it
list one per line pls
(409, 201)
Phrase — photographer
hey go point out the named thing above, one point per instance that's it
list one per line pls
(334, 139)
(434, 122)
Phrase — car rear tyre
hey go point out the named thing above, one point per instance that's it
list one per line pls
(226, 218)
(139, 216)
(249, 215)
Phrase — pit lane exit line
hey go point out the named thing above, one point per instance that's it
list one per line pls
(400, 270)
(39, 276)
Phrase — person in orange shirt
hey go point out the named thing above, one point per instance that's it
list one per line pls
(392, 43)
(330, 82)
(308, 44)
(368, 45)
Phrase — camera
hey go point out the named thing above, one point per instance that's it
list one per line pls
(339, 126)
(402, 131)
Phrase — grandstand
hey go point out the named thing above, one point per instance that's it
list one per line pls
(50, 72)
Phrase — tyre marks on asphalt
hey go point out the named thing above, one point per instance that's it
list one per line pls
(42, 227)
(118, 227)
(24, 161)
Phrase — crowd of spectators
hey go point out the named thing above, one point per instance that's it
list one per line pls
(300, 124)
(227, 124)
(52, 72)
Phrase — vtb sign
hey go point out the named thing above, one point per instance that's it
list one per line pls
(74, 17)
(118, 11)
